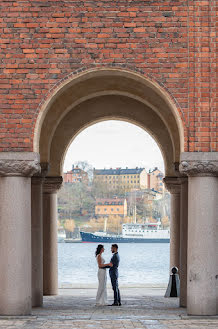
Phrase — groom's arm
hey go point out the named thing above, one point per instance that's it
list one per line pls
(114, 260)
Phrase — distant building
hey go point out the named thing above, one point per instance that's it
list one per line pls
(75, 175)
(155, 180)
(125, 179)
(107, 207)
(145, 194)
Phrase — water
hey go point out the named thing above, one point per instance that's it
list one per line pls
(140, 264)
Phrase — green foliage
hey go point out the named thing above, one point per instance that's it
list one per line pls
(74, 199)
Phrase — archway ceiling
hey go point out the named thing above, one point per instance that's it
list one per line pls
(103, 108)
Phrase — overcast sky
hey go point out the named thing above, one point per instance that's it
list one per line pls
(114, 144)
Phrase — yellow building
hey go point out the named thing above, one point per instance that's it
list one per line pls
(125, 179)
(107, 207)
(155, 180)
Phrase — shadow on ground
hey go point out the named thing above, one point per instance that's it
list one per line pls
(141, 308)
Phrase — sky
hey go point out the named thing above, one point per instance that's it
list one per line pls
(113, 144)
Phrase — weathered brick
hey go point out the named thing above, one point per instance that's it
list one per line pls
(43, 42)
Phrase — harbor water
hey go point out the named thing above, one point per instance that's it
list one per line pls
(141, 264)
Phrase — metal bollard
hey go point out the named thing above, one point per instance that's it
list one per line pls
(173, 288)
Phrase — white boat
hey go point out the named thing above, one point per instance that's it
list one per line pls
(131, 233)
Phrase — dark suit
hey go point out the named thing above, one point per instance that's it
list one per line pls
(114, 277)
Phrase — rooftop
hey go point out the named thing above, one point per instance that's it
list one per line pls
(106, 201)
(118, 171)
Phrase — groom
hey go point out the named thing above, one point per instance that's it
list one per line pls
(114, 274)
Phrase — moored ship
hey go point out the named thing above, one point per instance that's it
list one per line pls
(131, 233)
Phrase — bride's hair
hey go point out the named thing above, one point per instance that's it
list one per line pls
(98, 249)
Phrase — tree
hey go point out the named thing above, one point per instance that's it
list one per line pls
(69, 225)
(165, 222)
(100, 189)
(85, 166)
(75, 200)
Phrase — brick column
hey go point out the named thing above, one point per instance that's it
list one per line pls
(16, 169)
(50, 255)
(202, 169)
(173, 186)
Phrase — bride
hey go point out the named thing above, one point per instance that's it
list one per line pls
(101, 298)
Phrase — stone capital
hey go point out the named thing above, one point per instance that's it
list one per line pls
(44, 169)
(173, 184)
(52, 184)
(19, 164)
(183, 179)
(37, 180)
(39, 177)
(199, 163)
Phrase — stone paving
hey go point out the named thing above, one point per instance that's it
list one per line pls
(141, 308)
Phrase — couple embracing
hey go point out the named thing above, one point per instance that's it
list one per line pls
(101, 298)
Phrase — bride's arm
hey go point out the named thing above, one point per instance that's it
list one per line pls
(100, 265)
(108, 264)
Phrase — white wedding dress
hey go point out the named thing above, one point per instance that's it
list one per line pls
(101, 298)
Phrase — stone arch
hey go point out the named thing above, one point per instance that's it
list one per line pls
(107, 93)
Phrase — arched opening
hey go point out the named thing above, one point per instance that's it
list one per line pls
(91, 97)
(103, 94)
(130, 205)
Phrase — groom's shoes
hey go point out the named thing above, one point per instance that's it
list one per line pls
(114, 304)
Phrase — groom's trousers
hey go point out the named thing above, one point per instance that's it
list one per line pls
(114, 283)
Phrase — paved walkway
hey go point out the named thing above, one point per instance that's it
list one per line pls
(141, 308)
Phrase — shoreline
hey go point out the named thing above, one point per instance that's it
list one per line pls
(123, 286)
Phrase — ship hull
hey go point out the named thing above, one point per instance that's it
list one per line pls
(90, 237)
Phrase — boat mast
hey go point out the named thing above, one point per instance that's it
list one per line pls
(134, 214)
(134, 209)
(105, 224)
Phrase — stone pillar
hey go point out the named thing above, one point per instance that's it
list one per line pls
(37, 236)
(16, 169)
(37, 242)
(173, 186)
(183, 240)
(50, 253)
(202, 169)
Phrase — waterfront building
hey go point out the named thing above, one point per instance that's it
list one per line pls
(122, 179)
(107, 207)
(155, 180)
(76, 175)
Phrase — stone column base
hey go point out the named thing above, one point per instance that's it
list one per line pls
(202, 169)
(15, 231)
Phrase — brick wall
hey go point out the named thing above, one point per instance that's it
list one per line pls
(42, 42)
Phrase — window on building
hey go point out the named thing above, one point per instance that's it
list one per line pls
(105, 209)
(112, 209)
